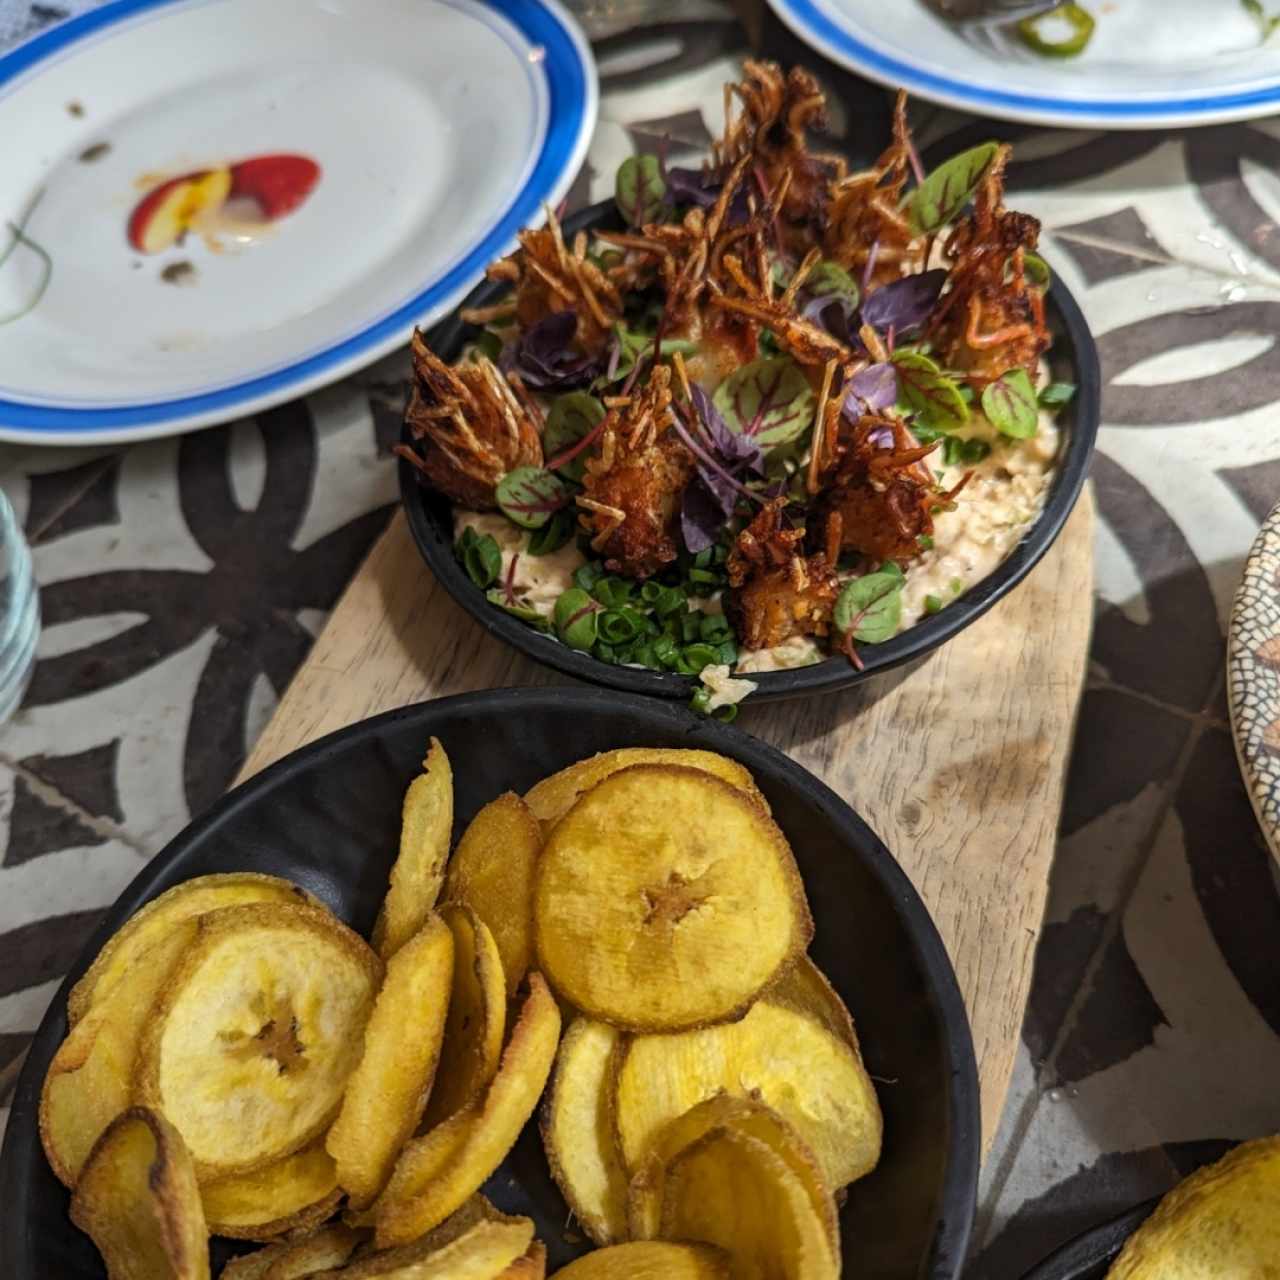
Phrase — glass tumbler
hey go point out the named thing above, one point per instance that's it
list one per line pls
(19, 611)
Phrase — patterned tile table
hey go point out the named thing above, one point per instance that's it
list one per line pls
(184, 580)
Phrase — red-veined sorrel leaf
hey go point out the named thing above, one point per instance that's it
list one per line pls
(530, 496)
(946, 191)
(769, 399)
(570, 417)
(925, 391)
(1011, 406)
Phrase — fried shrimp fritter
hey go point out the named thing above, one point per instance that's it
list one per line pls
(633, 486)
(469, 427)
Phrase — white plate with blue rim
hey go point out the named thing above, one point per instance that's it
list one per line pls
(1147, 63)
(211, 206)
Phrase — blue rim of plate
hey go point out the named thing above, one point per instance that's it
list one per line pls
(572, 94)
(810, 21)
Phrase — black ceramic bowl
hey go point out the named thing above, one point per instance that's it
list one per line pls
(1089, 1256)
(1074, 358)
(328, 818)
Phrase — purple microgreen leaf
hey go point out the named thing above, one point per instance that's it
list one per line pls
(571, 417)
(904, 304)
(545, 358)
(769, 399)
(530, 496)
(872, 390)
(925, 391)
(701, 516)
(693, 187)
(1010, 405)
(837, 315)
(640, 190)
(736, 451)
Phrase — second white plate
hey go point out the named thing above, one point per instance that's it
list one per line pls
(172, 270)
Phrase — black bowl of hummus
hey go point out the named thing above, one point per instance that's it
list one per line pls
(685, 502)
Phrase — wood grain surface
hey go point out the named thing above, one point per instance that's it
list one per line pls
(958, 763)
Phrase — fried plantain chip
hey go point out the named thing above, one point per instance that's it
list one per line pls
(491, 872)
(142, 930)
(666, 899)
(577, 1130)
(530, 1265)
(426, 827)
(297, 1192)
(1222, 1221)
(137, 1199)
(387, 1093)
(91, 1078)
(322, 1250)
(730, 1190)
(816, 1083)
(553, 797)
(252, 1266)
(483, 1251)
(744, 1115)
(650, 1260)
(249, 1047)
(477, 1015)
(805, 988)
(428, 1184)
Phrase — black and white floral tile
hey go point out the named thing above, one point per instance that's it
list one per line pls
(183, 581)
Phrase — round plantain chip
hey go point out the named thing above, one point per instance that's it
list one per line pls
(387, 1093)
(91, 1078)
(530, 1265)
(666, 899)
(731, 1190)
(484, 1251)
(786, 1059)
(805, 989)
(577, 1130)
(743, 1115)
(555, 795)
(137, 1199)
(491, 872)
(249, 1047)
(477, 1015)
(1222, 1221)
(151, 922)
(290, 1195)
(437, 1173)
(650, 1260)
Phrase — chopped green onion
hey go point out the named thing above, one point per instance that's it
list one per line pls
(700, 700)
(926, 541)
(1056, 394)
(932, 604)
(697, 656)
(587, 575)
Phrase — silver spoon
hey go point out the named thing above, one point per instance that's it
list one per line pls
(991, 11)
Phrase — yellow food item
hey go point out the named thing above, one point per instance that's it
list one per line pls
(484, 1251)
(743, 1115)
(805, 988)
(577, 1130)
(650, 1260)
(252, 1266)
(426, 827)
(477, 1016)
(730, 1190)
(297, 1192)
(491, 872)
(424, 1192)
(313, 1254)
(1221, 1223)
(387, 1093)
(531, 1265)
(137, 1199)
(151, 922)
(553, 797)
(666, 899)
(249, 1047)
(786, 1059)
(91, 1078)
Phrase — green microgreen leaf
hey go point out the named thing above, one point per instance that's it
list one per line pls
(1010, 405)
(1056, 394)
(639, 189)
(831, 280)
(871, 606)
(553, 535)
(570, 417)
(770, 399)
(530, 496)
(526, 613)
(576, 619)
(925, 391)
(946, 191)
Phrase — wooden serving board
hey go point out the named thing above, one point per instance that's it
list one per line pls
(958, 764)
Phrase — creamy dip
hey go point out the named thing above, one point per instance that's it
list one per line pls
(537, 581)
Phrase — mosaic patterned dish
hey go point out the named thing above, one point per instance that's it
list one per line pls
(1253, 677)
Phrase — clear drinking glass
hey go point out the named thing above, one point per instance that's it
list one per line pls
(19, 611)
